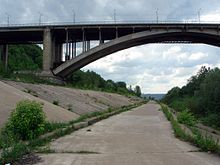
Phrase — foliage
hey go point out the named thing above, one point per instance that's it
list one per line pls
(171, 95)
(187, 118)
(13, 153)
(28, 120)
(25, 57)
(212, 120)
(92, 80)
(56, 102)
(178, 131)
(200, 95)
(209, 93)
(204, 142)
(137, 91)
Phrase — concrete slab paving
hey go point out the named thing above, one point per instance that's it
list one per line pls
(141, 137)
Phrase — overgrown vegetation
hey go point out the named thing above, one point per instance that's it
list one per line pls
(187, 118)
(26, 122)
(205, 143)
(92, 80)
(200, 96)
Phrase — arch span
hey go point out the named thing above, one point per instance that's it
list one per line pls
(210, 37)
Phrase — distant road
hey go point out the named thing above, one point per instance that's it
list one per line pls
(139, 137)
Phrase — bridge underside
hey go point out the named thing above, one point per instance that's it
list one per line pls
(132, 40)
(61, 42)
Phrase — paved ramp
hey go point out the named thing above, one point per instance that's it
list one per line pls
(139, 137)
(9, 96)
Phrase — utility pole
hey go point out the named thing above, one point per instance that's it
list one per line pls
(157, 17)
(199, 14)
(40, 18)
(115, 15)
(8, 18)
(74, 16)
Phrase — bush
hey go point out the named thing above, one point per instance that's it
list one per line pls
(28, 120)
(212, 120)
(13, 153)
(205, 143)
(56, 102)
(186, 117)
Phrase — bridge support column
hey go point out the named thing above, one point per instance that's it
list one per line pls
(67, 55)
(48, 51)
(4, 55)
(74, 49)
(101, 41)
(87, 45)
(58, 54)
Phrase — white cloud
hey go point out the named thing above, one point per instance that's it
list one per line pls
(197, 56)
(157, 68)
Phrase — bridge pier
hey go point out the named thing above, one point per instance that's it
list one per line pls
(4, 55)
(48, 51)
(58, 54)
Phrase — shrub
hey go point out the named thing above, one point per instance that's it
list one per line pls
(13, 153)
(186, 117)
(28, 120)
(212, 120)
(205, 143)
(56, 102)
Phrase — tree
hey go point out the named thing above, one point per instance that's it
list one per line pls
(137, 90)
(209, 93)
(171, 95)
(25, 57)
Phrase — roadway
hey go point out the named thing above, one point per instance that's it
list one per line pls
(142, 136)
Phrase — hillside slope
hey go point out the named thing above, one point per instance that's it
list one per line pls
(76, 100)
(9, 96)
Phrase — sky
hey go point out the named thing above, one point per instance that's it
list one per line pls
(156, 68)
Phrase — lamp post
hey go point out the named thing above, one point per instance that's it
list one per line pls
(199, 15)
(115, 15)
(8, 18)
(74, 16)
(40, 18)
(157, 17)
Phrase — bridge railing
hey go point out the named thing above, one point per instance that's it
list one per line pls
(106, 23)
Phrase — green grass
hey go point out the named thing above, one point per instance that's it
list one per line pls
(187, 118)
(205, 143)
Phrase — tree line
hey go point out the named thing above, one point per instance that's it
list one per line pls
(92, 80)
(201, 95)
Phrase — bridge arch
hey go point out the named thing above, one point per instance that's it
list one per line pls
(210, 37)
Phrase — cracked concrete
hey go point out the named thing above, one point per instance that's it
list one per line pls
(141, 137)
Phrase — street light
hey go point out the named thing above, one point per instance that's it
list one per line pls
(115, 15)
(8, 18)
(40, 18)
(157, 17)
(199, 14)
(74, 16)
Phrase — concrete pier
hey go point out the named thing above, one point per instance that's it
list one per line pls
(47, 50)
(4, 55)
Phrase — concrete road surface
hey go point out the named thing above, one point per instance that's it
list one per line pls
(139, 137)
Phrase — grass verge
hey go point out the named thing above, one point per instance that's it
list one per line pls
(205, 143)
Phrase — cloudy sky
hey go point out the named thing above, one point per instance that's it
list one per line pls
(155, 67)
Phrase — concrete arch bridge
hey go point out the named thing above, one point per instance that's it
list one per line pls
(56, 38)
